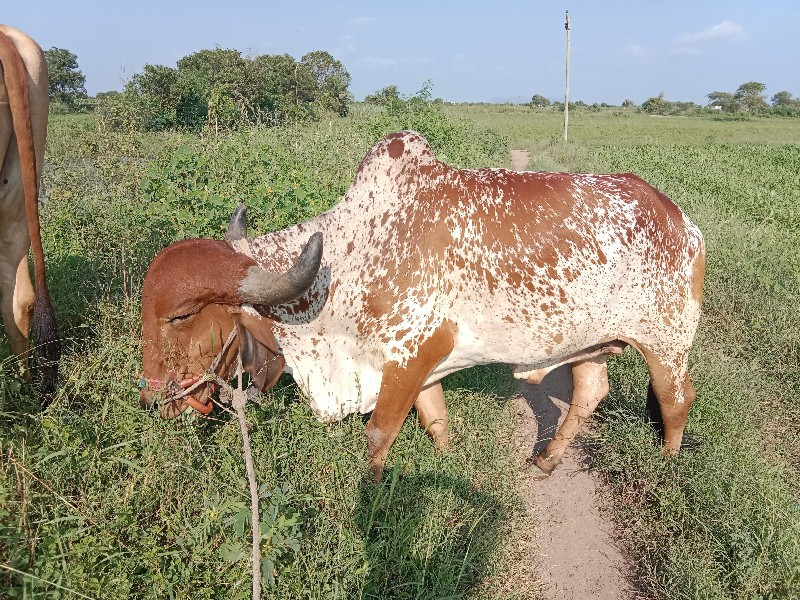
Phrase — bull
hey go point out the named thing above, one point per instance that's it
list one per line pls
(428, 269)
(24, 100)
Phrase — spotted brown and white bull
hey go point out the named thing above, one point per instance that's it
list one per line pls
(428, 269)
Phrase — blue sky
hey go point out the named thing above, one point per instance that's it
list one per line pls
(472, 51)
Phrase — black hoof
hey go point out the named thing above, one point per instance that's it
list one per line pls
(691, 441)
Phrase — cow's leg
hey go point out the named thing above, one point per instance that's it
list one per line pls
(672, 388)
(400, 387)
(16, 288)
(590, 386)
(432, 414)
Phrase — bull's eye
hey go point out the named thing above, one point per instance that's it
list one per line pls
(179, 319)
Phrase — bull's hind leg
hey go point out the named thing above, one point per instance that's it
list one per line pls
(672, 388)
(15, 281)
(400, 387)
(16, 288)
(432, 414)
(590, 386)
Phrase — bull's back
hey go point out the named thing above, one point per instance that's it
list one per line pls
(38, 93)
(558, 262)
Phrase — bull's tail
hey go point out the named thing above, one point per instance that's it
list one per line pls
(45, 331)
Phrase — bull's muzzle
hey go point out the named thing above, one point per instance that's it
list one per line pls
(171, 398)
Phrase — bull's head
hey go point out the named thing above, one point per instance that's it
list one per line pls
(195, 293)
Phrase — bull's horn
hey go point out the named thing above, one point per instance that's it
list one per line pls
(237, 228)
(263, 287)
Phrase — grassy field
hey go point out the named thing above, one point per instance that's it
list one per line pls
(103, 500)
(724, 520)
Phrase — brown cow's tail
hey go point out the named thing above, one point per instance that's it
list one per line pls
(45, 331)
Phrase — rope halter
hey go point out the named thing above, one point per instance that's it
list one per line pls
(177, 390)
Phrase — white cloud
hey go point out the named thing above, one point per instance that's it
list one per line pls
(380, 62)
(635, 54)
(347, 45)
(364, 21)
(695, 43)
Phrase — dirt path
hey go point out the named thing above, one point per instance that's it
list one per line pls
(519, 159)
(577, 555)
(579, 558)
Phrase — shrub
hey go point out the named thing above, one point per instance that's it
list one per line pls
(456, 141)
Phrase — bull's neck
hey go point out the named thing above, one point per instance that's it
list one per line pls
(277, 251)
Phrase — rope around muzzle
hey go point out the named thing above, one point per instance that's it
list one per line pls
(190, 384)
(238, 399)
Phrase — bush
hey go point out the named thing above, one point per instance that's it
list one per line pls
(194, 189)
(222, 90)
(458, 142)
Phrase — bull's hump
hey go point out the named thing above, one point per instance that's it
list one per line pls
(395, 155)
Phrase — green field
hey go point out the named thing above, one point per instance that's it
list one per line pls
(101, 499)
(724, 520)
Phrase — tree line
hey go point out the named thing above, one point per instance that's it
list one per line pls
(750, 98)
(222, 89)
(216, 88)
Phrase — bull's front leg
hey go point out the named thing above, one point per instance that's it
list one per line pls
(400, 388)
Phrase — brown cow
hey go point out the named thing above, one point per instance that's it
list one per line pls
(429, 269)
(23, 129)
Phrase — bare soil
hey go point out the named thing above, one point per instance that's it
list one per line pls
(574, 551)
(519, 159)
(575, 547)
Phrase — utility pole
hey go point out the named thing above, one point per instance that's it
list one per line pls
(566, 94)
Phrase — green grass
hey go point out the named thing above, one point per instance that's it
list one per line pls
(103, 499)
(724, 520)
(732, 506)
(527, 127)
(100, 498)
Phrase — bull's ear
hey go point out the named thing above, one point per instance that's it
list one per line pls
(261, 357)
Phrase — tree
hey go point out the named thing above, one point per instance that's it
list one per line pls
(66, 80)
(539, 101)
(218, 67)
(783, 99)
(221, 89)
(384, 97)
(286, 88)
(657, 105)
(724, 100)
(750, 96)
(216, 79)
(628, 103)
(107, 95)
(331, 80)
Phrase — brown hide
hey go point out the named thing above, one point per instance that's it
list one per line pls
(22, 137)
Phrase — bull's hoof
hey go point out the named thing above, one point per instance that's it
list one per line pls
(375, 471)
(535, 472)
(691, 441)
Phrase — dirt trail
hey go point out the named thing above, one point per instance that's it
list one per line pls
(575, 549)
(519, 159)
(575, 544)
